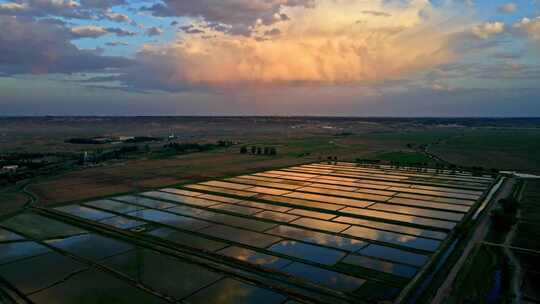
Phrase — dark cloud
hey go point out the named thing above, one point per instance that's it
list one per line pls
(191, 29)
(154, 31)
(85, 9)
(116, 43)
(240, 15)
(35, 47)
(103, 4)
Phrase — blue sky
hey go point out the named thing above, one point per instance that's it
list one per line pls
(270, 57)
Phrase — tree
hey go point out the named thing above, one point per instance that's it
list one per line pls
(266, 151)
(259, 151)
(273, 151)
(243, 150)
(253, 150)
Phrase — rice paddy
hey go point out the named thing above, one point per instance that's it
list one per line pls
(331, 233)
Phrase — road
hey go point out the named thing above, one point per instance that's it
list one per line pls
(479, 234)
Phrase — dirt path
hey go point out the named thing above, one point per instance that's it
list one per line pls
(479, 234)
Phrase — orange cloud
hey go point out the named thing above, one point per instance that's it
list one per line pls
(330, 43)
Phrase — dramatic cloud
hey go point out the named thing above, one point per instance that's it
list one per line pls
(85, 9)
(488, 29)
(37, 47)
(240, 15)
(308, 49)
(530, 27)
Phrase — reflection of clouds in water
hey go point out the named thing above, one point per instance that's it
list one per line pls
(316, 237)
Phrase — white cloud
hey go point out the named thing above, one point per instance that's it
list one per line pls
(488, 29)
(531, 27)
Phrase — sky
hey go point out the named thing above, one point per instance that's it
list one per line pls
(270, 57)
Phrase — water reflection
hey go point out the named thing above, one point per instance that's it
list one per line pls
(91, 246)
(85, 212)
(395, 255)
(324, 277)
(237, 209)
(276, 216)
(319, 224)
(163, 273)
(113, 206)
(320, 238)
(401, 218)
(180, 198)
(435, 205)
(10, 252)
(393, 238)
(308, 252)
(451, 216)
(382, 266)
(187, 239)
(240, 236)
(40, 227)
(145, 202)
(299, 202)
(315, 214)
(122, 222)
(231, 291)
(93, 286)
(330, 199)
(6, 235)
(392, 227)
(170, 219)
(257, 258)
(33, 274)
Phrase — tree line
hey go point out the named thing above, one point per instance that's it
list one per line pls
(256, 150)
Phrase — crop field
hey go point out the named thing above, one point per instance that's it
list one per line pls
(317, 233)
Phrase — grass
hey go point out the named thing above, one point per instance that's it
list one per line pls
(477, 278)
(493, 148)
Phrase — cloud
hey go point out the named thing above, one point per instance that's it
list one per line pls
(37, 47)
(309, 49)
(117, 17)
(154, 31)
(530, 27)
(488, 29)
(376, 13)
(240, 15)
(116, 43)
(92, 31)
(508, 8)
(102, 4)
(89, 31)
(85, 9)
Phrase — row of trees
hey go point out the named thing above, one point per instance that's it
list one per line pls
(255, 150)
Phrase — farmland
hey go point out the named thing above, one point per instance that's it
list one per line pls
(503, 144)
(320, 232)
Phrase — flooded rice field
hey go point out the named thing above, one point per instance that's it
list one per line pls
(337, 233)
